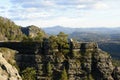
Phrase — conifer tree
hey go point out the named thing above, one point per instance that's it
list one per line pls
(64, 75)
(49, 69)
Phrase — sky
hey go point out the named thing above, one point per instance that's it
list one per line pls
(68, 13)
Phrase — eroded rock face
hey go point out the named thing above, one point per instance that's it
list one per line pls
(102, 66)
(7, 71)
(116, 73)
(93, 61)
(33, 31)
(84, 62)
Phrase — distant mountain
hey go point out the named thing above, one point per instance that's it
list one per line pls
(57, 29)
(87, 34)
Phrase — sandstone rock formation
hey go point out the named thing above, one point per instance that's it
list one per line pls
(7, 71)
(116, 73)
(83, 61)
(33, 31)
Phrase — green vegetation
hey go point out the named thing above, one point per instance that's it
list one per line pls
(108, 39)
(90, 77)
(62, 41)
(9, 55)
(65, 51)
(9, 30)
(64, 75)
(27, 39)
(59, 42)
(116, 62)
(39, 36)
(56, 49)
(49, 69)
(53, 42)
(29, 74)
(34, 33)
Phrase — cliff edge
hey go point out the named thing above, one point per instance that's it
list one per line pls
(7, 71)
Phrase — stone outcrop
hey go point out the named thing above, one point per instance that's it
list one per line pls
(116, 73)
(7, 71)
(84, 61)
(9, 31)
(102, 67)
(33, 31)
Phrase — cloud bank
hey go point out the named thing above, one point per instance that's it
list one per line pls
(52, 12)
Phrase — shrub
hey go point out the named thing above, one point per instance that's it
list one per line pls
(64, 75)
(29, 74)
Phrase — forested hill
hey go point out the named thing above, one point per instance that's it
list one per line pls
(9, 31)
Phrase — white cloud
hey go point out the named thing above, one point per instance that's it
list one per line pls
(70, 22)
(81, 6)
(64, 21)
(31, 9)
(48, 3)
(100, 5)
(59, 12)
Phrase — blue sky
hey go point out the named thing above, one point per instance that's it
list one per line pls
(68, 13)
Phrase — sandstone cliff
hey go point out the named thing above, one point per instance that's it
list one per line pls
(82, 61)
(7, 71)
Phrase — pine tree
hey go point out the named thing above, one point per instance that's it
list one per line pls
(29, 74)
(49, 69)
(64, 75)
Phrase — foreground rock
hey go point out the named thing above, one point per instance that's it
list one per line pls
(7, 71)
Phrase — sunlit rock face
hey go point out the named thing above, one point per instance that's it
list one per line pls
(7, 71)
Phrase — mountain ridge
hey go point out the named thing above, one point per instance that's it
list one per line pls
(69, 30)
